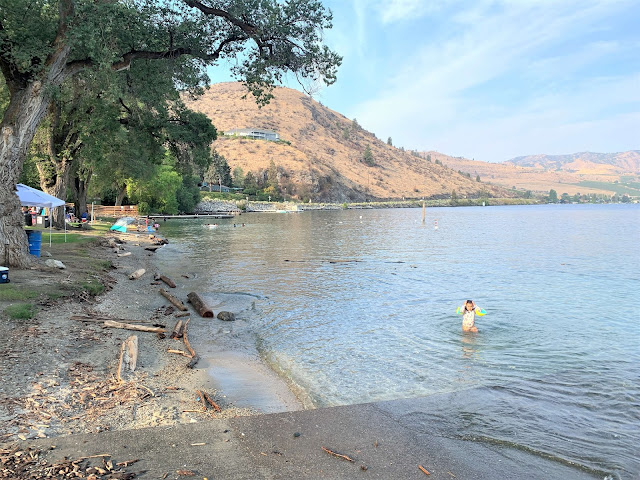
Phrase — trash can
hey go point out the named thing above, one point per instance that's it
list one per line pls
(4, 275)
(27, 219)
(35, 238)
(46, 221)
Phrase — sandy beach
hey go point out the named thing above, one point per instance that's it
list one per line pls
(59, 373)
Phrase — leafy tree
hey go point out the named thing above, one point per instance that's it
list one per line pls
(389, 141)
(553, 196)
(429, 158)
(564, 198)
(367, 157)
(43, 43)
(272, 176)
(454, 197)
(219, 172)
(188, 194)
(477, 178)
(238, 176)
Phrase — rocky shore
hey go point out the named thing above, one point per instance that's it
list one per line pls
(59, 369)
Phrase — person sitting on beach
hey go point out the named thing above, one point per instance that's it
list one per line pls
(469, 317)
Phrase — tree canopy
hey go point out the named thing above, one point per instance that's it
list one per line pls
(50, 46)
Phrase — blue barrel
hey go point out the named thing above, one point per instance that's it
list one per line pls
(35, 238)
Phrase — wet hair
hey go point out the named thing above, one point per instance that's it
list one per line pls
(469, 301)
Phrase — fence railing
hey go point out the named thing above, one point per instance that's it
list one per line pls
(115, 212)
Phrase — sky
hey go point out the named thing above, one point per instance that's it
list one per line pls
(490, 80)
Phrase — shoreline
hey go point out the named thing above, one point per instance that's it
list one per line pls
(72, 364)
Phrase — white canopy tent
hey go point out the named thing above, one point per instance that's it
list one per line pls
(31, 197)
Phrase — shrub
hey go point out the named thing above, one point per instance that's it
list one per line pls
(21, 311)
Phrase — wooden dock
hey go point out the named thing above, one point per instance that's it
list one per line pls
(202, 215)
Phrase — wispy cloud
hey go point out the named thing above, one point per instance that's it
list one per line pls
(530, 68)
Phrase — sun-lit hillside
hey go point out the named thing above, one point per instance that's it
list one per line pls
(578, 173)
(322, 153)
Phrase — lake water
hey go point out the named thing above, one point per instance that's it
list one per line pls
(359, 305)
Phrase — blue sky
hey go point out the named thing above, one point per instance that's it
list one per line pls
(490, 80)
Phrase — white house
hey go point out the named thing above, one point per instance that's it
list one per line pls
(254, 133)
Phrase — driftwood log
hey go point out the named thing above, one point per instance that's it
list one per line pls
(131, 352)
(194, 357)
(137, 274)
(102, 318)
(129, 326)
(177, 330)
(201, 307)
(125, 254)
(166, 280)
(182, 314)
(179, 305)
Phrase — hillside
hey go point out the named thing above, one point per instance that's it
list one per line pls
(583, 173)
(321, 155)
(585, 163)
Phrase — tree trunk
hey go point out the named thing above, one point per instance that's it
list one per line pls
(26, 110)
(28, 105)
(81, 186)
(121, 195)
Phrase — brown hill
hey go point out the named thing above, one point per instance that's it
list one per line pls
(322, 153)
(585, 163)
(583, 173)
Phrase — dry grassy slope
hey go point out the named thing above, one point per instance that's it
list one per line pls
(585, 163)
(324, 159)
(531, 174)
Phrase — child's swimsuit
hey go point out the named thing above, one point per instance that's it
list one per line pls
(468, 318)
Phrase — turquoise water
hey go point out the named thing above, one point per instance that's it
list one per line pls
(359, 305)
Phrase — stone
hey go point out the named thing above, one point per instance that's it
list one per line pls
(55, 264)
(226, 316)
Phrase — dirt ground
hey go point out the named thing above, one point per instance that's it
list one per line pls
(58, 375)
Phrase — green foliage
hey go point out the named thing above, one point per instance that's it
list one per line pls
(272, 177)
(553, 196)
(238, 177)
(438, 162)
(188, 194)
(367, 157)
(21, 311)
(219, 172)
(429, 158)
(454, 198)
(477, 178)
(159, 193)
(389, 141)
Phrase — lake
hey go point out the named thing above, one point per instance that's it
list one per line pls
(357, 306)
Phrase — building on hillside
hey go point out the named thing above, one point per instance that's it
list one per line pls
(214, 187)
(254, 133)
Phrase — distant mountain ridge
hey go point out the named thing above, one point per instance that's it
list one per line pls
(586, 163)
(322, 154)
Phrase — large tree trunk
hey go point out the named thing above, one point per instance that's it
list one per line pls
(81, 186)
(27, 107)
(121, 195)
(25, 112)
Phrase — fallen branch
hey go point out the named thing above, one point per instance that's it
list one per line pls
(101, 318)
(177, 330)
(182, 314)
(131, 352)
(199, 304)
(166, 280)
(215, 406)
(179, 305)
(194, 357)
(125, 254)
(423, 470)
(129, 326)
(179, 352)
(344, 457)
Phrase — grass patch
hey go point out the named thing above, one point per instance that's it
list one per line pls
(11, 293)
(21, 311)
(92, 287)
